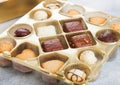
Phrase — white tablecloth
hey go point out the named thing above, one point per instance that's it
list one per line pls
(110, 72)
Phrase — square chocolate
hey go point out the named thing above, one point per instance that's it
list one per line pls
(81, 40)
(72, 26)
(52, 45)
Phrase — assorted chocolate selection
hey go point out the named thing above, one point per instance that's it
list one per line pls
(76, 35)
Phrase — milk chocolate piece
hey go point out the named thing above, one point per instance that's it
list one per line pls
(81, 40)
(52, 45)
(73, 26)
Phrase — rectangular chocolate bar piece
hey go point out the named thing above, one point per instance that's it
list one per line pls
(81, 40)
(52, 45)
(72, 26)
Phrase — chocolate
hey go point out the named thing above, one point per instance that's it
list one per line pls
(97, 20)
(5, 45)
(21, 32)
(40, 15)
(76, 75)
(46, 31)
(88, 57)
(53, 5)
(52, 45)
(73, 26)
(107, 36)
(26, 54)
(80, 40)
(55, 64)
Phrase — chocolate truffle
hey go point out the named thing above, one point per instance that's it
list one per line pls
(55, 64)
(72, 26)
(88, 57)
(80, 40)
(26, 54)
(5, 46)
(21, 32)
(76, 75)
(97, 20)
(107, 36)
(40, 15)
(52, 45)
(73, 12)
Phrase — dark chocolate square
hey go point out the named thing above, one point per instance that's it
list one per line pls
(80, 40)
(52, 45)
(72, 26)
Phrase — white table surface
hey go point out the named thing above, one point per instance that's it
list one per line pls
(110, 72)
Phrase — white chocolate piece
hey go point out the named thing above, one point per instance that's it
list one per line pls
(79, 72)
(52, 6)
(46, 31)
(40, 15)
(88, 57)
